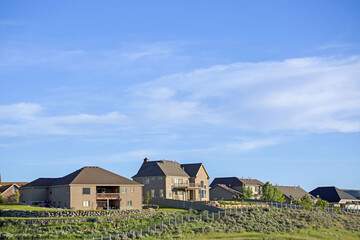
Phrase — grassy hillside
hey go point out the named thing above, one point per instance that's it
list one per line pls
(255, 224)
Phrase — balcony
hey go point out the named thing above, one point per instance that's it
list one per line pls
(187, 186)
(105, 196)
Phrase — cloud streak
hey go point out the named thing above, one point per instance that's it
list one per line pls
(27, 118)
(305, 94)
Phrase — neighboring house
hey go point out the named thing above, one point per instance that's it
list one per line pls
(239, 183)
(223, 192)
(294, 193)
(9, 189)
(171, 180)
(354, 193)
(86, 188)
(336, 197)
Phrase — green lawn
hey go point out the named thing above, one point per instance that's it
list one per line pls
(168, 209)
(16, 206)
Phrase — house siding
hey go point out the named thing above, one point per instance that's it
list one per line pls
(218, 193)
(202, 176)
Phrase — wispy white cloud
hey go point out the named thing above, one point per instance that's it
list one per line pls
(28, 118)
(253, 144)
(308, 94)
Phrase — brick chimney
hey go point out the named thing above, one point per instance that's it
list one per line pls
(146, 160)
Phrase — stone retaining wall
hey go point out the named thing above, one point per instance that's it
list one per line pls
(70, 213)
(43, 221)
(184, 204)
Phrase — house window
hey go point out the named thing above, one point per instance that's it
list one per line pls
(146, 181)
(152, 193)
(123, 190)
(202, 183)
(256, 189)
(181, 193)
(161, 193)
(14, 190)
(86, 190)
(132, 189)
(86, 203)
(129, 203)
(203, 193)
(172, 180)
(152, 179)
(170, 194)
(160, 178)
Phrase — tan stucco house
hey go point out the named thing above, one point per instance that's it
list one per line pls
(86, 188)
(227, 183)
(171, 180)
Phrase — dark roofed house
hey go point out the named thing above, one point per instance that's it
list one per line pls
(172, 180)
(294, 193)
(336, 197)
(223, 192)
(86, 188)
(352, 192)
(237, 184)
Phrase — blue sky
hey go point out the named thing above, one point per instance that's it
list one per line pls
(261, 89)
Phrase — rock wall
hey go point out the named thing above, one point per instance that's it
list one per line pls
(184, 204)
(69, 213)
(44, 221)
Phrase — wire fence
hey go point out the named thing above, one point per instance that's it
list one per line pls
(180, 220)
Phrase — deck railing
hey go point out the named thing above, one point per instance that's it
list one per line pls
(108, 195)
(186, 185)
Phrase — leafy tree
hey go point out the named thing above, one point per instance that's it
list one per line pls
(306, 202)
(17, 196)
(322, 204)
(234, 197)
(247, 193)
(147, 198)
(272, 193)
(1, 199)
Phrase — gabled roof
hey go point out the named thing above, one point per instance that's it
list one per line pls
(192, 169)
(4, 188)
(234, 181)
(354, 193)
(332, 194)
(294, 192)
(161, 168)
(10, 183)
(85, 175)
(226, 188)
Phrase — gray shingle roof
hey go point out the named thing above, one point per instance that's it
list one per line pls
(192, 168)
(352, 192)
(234, 181)
(161, 168)
(332, 194)
(233, 191)
(294, 192)
(85, 175)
